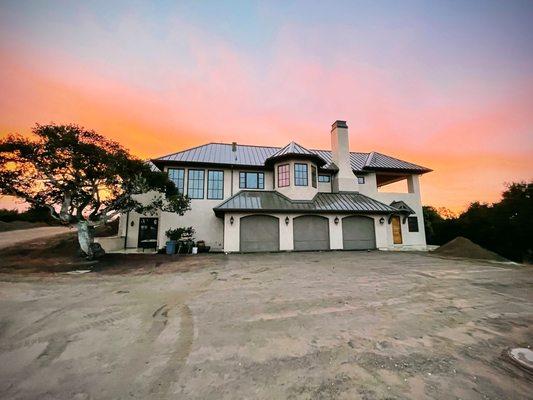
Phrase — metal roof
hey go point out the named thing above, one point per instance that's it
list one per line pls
(294, 149)
(255, 156)
(272, 201)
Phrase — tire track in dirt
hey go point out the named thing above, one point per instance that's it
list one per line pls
(68, 332)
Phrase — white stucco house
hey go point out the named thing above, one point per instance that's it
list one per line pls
(248, 198)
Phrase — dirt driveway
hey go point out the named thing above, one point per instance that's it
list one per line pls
(340, 325)
(10, 238)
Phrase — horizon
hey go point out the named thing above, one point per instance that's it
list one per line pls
(446, 86)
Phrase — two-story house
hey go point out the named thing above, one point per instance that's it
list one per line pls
(256, 198)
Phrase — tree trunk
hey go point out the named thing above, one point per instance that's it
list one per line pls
(85, 239)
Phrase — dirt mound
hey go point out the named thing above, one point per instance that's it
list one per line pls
(465, 248)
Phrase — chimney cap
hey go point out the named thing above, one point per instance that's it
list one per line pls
(339, 124)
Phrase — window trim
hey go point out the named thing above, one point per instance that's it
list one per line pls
(177, 169)
(189, 180)
(324, 175)
(314, 176)
(222, 195)
(409, 219)
(288, 175)
(306, 174)
(262, 187)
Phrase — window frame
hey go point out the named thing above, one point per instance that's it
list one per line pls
(361, 180)
(314, 176)
(410, 221)
(296, 178)
(262, 180)
(182, 191)
(287, 173)
(324, 176)
(189, 182)
(221, 189)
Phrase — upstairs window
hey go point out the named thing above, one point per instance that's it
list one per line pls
(251, 180)
(284, 175)
(324, 178)
(313, 176)
(412, 222)
(300, 174)
(195, 183)
(215, 185)
(177, 175)
(361, 180)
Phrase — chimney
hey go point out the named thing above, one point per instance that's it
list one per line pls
(344, 180)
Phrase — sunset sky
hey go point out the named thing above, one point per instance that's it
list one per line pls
(448, 85)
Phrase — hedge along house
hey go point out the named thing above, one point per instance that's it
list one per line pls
(254, 198)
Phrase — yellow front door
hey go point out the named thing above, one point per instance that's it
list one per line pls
(396, 230)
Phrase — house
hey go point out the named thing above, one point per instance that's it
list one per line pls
(255, 198)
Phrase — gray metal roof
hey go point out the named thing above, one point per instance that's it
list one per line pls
(255, 156)
(294, 149)
(272, 201)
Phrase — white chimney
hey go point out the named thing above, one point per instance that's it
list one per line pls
(344, 180)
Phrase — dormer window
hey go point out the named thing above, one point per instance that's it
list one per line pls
(284, 175)
(300, 174)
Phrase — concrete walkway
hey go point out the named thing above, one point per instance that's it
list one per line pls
(11, 238)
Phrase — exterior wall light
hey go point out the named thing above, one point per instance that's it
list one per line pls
(336, 220)
(382, 220)
(231, 220)
(286, 220)
(132, 223)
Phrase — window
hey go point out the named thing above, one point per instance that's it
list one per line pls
(324, 178)
(313, 176)
(215, 185)
(177, 175)
(361, 180)
(284, 175)
(412, 222)
(195, 184)
(251, 180)
(300, 174)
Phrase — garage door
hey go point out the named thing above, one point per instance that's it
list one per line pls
(358, 233)
(259, 233)
(311, 232)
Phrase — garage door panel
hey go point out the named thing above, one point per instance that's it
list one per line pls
(311, 232)
(358, 233)
(259, 233)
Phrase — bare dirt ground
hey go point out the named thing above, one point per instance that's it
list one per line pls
(13, 237)
(334, 325)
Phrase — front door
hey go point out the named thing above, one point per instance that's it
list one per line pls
(396, 230)
(147, 233)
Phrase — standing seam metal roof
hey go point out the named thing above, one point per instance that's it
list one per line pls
(255, 156)
(351, 202)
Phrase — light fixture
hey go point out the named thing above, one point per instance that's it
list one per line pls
(336, 220)
(382, 220)
(287, 220)
(231, 220)
(132, 223)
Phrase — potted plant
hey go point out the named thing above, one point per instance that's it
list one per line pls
(173, 236)
(186, 241)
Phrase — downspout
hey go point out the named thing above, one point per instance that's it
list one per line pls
(127, 226)
(234, 151)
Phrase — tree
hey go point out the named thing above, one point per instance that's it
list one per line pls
(503, 227)
(82, 178)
